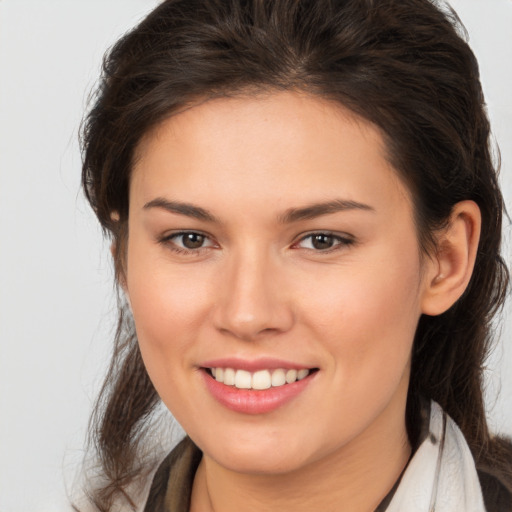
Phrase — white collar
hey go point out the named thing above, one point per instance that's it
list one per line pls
(441, 476)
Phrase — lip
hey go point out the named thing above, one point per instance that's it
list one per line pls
(249, 401)
(264, 363)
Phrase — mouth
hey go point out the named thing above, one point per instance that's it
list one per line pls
(259, 380)
(256, 388)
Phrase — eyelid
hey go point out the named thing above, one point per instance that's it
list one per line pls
(343, 240)
(167, 239)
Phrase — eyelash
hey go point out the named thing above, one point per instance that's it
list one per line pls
(341, 242)
(168, 240)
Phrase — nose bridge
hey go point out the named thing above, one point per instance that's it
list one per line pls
(251, 301)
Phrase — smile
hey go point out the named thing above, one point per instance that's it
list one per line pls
(254, 389)
(259, 380)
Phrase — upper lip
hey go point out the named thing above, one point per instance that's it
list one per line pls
(265, 363)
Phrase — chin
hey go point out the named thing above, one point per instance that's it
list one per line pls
(260, 462)
(268, 453)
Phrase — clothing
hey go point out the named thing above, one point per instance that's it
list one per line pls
(440, 477)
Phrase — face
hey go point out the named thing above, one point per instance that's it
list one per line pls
(275, 280)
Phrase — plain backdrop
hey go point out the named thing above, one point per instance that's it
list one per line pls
(57, 306)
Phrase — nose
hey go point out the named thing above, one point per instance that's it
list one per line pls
(253, 299)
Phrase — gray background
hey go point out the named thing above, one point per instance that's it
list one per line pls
(56, 294)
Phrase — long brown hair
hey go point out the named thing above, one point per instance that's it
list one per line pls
(405, 66)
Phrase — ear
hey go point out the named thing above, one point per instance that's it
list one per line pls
(449, 269)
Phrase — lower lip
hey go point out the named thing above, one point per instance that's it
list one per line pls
(250, 401)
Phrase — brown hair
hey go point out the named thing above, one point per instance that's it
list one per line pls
(405, 66)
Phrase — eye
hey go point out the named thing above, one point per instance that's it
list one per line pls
(188, 241)
(323, 242)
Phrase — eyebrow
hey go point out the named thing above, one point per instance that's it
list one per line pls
(318, 209)
(187, 209)
(289, 216)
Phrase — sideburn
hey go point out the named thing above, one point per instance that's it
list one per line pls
(119, 247)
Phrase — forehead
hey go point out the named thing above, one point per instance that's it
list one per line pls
(275, 148)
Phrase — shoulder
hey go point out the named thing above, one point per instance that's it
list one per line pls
(495, 475)
(497, 485)
(497, 496)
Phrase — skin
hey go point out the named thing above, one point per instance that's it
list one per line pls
(258, 288)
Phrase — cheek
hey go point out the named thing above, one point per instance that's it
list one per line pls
(369, 318)
(168, 310)
(168, 307)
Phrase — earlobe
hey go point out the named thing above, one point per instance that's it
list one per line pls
(450, 268)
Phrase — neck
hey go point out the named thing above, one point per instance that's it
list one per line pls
(354, 478)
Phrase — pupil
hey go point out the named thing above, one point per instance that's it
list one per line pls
(322, 241)
(193, 240)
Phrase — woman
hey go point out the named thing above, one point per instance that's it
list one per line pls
(305, 224)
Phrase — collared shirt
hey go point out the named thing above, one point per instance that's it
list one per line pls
(171, 488)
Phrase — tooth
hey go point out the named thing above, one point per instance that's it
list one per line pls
(243, 379)
(229, 376)
(278, 377)
(213, 372)
(219, 374)
(302, 373)
(261, 380)
(291, 376)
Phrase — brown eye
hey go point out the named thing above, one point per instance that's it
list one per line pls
(192, 240)
(322, 241)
